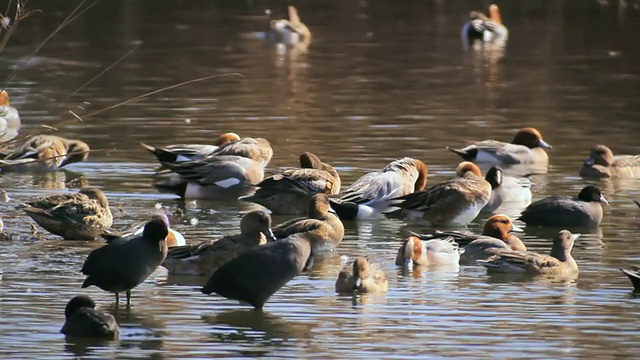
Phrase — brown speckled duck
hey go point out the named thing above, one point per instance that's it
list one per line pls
(361, 277)
(204, 258)
(80, 216)
(601, 163)
(43, 153)
(453, 203)
(290, 191)
(558, 263)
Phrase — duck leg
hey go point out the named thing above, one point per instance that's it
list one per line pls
(128, 297)
(117, 299)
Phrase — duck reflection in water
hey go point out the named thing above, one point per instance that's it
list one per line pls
(255, 326)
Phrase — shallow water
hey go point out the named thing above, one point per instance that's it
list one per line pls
(380, 81)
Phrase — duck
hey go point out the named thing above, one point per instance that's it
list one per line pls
(44, 153)
(601, 163)
(254, 276)
(415, 251)
(634, 275)
(362, 277)
(369, 196)
(9, 118)
(124, 263)
(323, 226)
(488, 29)
(83, 320)
(188, 152)
(564, 211)
(527, 147)
(559, 262)
(289, 192)
(496, 234)
(79, 216)
(231, 171)
(174, 238)
(453, 203)
(204, 258)
(506, 189)
(290, 31)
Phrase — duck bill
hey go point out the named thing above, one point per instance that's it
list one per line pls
(332, 211)
(162, 244)
(603, 200)
(516, 229)
(357, 284)
(575, 237)
(544, 144)
(589, 162)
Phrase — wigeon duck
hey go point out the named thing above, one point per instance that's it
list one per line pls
(188, 152)
(231, 171)
(361, 277)
(559, 262)
(506, 189)
(82, 319)
(415, 251)
(204, 258)
(260, 272)
(44, 153)
(173, 239)
(321, 224)
(495, 235)
(603, 164)
(289, 32)
(527, 147)
(489, 29)
(634, 275)
(289, 192)
(370, 195)
(9, 118)
(124, 263)
(559, 210)
(80, 216)
(453, 203)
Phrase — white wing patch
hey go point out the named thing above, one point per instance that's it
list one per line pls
(227, 183)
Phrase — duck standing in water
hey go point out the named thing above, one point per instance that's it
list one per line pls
(9, 118)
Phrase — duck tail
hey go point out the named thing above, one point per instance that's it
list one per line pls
(346, 210)
(635, 279)
(161, 154)
(173, 187)
(465, 154)
(87, 282)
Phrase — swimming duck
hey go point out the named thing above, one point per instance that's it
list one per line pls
(290, 191)
(323, 226)
(453, 203)
(603, 164)
(361, 277)
(489, 29)
(9, 118)
(370, 195)
(527, 147)
(83, 320)
(496, 234)
(634, 275)
(204, 258)
(124, 263)
(255, 275)
(558, 210)
(559, 262)
(506, 189)
(80, 216)
(415, 251)
(231, 171)
(188, 152)
(289, 32)
(43, 153)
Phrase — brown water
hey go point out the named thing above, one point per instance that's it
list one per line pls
(381, 80)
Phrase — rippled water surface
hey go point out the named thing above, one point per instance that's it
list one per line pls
(381, 80)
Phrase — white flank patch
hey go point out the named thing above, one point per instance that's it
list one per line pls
(227, 183)
(367, 213)
(467, 215)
